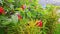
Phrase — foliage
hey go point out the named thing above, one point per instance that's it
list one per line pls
(30, 13)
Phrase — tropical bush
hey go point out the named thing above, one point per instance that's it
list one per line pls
(26, 17)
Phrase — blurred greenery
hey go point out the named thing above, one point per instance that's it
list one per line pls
(31, 13)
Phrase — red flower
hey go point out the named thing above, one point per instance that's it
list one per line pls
(19, 17)
(23, 7)
(40, 24)
(2, 10)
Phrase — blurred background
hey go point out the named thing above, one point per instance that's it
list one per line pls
(53, 2)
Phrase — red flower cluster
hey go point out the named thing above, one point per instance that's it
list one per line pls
(40, 24)
(19, 17)
(2, 10)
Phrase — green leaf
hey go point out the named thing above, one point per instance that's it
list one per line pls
(6, 22)
(11, 6)
(1, 1)
(14, 19)
(10, 1)
(29, 14)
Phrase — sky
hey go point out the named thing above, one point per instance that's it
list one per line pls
(54, 2)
